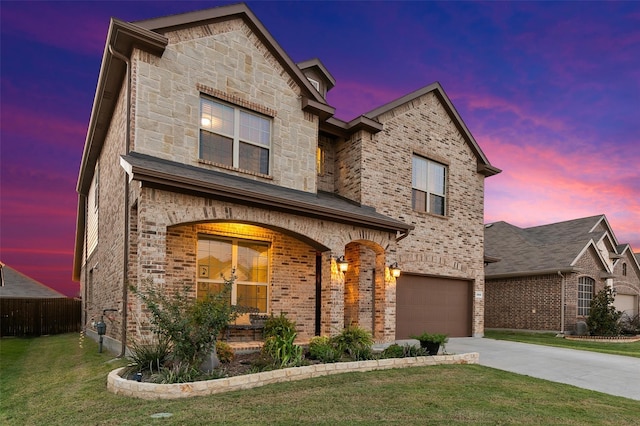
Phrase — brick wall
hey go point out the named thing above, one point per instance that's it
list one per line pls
(528, 303)
(453, 245)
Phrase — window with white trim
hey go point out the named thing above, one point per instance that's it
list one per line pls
(585, 295)
(234, 137)
(219, 257)
(428, 186)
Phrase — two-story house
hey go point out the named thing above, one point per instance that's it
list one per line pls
(209, 150)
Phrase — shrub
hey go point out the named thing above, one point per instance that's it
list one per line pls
(150, 357)
(280, 334)
(179, 372)
(603, 318)
(393, 351)
(630, 324)
(191, 326)
(278, 326)
(354, 342)
(320, 348)
(224, 352)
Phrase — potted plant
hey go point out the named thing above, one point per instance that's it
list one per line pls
(431, 341)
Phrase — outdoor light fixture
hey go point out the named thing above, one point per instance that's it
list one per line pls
(343, 265)
(394, 270)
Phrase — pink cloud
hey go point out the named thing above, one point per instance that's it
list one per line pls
(49, 128)
(541, 185)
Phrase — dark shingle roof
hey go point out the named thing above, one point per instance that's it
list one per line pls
(538, 249)
(18, 285)
(181, 177)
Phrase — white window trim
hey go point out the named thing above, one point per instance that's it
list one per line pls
(427, 192)
(584, 311)
(236, 134)
(234, 263)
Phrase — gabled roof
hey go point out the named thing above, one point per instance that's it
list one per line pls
(184, 178)
(542, 249)
(484, 166)
(17, 285)
(148, 35)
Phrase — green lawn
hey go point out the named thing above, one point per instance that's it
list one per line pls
(54, 381)
(550, 339)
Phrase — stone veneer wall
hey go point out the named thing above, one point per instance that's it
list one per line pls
(226, 60)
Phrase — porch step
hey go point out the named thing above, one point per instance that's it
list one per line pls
(255, 346)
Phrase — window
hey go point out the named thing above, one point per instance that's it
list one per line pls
(320, 161)
(624, 269)
(428, 184)
(234, 137)
(314, 83)
(585, 294)
(250, 259)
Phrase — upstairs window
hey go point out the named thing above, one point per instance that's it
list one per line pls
(249, 260)
(234, 137)
(428, 186)
(585, 294)
(624, 269)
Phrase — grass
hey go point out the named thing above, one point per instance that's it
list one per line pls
(550, 339)
(54, 381)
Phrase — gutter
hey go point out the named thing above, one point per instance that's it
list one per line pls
(568, 270)
(125, 258)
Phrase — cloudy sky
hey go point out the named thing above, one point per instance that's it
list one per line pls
(551, 91)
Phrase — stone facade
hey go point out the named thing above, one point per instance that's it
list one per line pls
(149, 230)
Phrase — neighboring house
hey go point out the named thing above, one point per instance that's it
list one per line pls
(14, 284)
(546, 276)
(210, 150)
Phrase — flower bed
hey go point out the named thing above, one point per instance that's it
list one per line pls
(122, 386)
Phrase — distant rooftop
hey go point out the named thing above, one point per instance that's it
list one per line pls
(17, 285)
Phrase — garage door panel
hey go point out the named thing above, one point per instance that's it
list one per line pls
(436, 305)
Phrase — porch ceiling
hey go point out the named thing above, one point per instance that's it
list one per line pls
(184, 178)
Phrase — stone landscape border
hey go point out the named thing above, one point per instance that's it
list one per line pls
(121, 386)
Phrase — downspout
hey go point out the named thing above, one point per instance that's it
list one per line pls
(125, 259)
(562, 302)
(85, 296)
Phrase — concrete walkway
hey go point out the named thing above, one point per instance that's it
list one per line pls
(611, 374)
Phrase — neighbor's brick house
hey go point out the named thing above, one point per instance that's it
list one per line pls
(210, 149)
(543, 268)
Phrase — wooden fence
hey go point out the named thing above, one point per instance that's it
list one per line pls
(39, 317)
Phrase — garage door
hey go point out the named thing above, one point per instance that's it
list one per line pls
(626, 303)
(435, 305)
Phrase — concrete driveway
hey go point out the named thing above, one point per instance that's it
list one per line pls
(612, 374)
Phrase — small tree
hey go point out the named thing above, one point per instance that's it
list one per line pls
(603, 318)
(192, 326)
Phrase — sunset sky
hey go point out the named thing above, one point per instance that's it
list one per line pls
(551, 92)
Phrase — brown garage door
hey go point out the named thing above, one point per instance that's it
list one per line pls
(435, 305)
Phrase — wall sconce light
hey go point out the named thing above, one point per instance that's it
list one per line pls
(343, 265)
(394, 270)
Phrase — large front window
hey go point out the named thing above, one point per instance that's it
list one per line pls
(218, 258)
(234, 137)
(585, 294)
(428, 186)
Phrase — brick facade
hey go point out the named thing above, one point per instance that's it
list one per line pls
(226, 60)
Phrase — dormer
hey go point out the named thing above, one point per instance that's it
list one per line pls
(318, 75)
